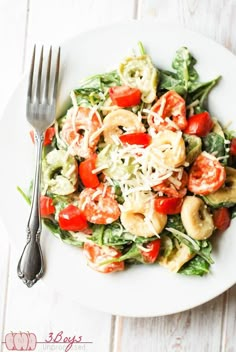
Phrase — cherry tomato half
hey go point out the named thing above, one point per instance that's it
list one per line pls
(125, 96)
(233, 147)
(85, 172)
(46, 206)
(49, 134)
(206, 175)
(153, 251)
(221, 218)
(72, 219)
(136, 138)
(96, 255)
(167, 205)
(199, 124)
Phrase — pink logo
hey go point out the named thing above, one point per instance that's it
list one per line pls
(26, 341)
(21, 341)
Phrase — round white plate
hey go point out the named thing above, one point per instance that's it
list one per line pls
(140, 290)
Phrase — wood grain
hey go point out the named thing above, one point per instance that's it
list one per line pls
(38, 309)
(215, 19)
(42, 311)
(4, 271)
(186, 331)
(12, 34)
(229, 322)
(64, 19)
(208, 328)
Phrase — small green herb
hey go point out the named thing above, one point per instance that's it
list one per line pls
(214, 144)
(196, 266)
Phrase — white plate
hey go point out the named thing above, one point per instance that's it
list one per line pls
(140, 290)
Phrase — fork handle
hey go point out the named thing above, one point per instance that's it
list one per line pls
(31, 267)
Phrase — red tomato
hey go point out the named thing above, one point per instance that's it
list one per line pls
(233, 147)
(49, 134)
(166, 205)
(46, 206)
(221, 218)
(206, 175)
(72, 219)
(136, 138)
(96, 255)
(85, 172)
(153, 251)
(199, 124)
(125, 96)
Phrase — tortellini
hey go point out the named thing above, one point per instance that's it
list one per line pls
(139, 218)
(139, 72)
(60, 173)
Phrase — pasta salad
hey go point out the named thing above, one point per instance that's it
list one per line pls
(138, 171)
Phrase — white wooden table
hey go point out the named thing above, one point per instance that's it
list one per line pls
(208, 328)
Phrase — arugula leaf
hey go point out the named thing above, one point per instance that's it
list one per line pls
(110, 235)
(196, 266)
(185, 80)
(200, 264)
(115, 235)
(175, 222)
(199, 91)
(214, 144)
(24, 195)
(88, 97)
(94, 90)
(102, 81)
(133, 253)
(65, 236)
(202, 248)
(184, 63)
(170, 81)
(205, 251)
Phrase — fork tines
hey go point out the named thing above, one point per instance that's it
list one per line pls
(45, 96)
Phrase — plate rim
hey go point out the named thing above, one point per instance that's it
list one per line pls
(77, 36)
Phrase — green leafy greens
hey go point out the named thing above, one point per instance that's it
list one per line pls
(202, 249)
(184, 80)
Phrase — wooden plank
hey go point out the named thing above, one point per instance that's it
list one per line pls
(191, 330)
(42, 311)
(60, 19)
(4, 271)
(187, 331)
(39, 310)
(214, 21)
(12, 34)
(229, 326)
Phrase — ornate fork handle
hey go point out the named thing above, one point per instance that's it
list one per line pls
(31, 267)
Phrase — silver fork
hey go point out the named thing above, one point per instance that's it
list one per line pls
(40, 111)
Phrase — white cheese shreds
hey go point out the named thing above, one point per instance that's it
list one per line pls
(138, 169)
(100, 168)
(150, 226)
(96, 134)
(222, 157)
(96, 194)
